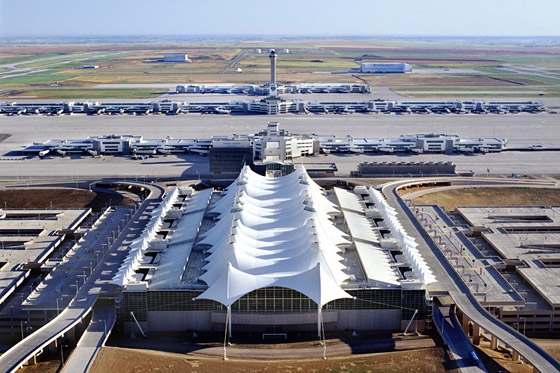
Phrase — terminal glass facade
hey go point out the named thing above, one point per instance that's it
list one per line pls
(271, 300)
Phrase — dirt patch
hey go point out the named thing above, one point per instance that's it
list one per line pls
(490, 197)
(119, 359)
(61, 198)
(128, 360)
(177, 354)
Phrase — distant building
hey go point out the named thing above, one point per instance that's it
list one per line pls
(277, 145)
(385, 67)
(269, 151)
(176, 57)
(229, 157)
(399, 169)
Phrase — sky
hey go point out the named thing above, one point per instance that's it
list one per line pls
(287, 18)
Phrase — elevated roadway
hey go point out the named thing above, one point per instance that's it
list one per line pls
(95, 336)
(452, 283)
(456, 340)
(80, 308)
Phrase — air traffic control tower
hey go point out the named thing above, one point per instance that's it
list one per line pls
(272, 88)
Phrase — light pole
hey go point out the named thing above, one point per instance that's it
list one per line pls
(62, 354)
(21, 323)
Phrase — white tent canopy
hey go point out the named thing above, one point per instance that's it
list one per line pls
(406, 242)
(232, 284)
(138, 247)
(274, 232)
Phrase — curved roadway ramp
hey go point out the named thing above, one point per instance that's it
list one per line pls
(464, 300)
(36, 343)
(81, 306)
(93, 338)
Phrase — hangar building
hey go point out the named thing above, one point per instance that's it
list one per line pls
(176, 57)
(385, 67)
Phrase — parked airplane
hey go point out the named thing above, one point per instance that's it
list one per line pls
(345, 110)
(222, 110)
(43, 153)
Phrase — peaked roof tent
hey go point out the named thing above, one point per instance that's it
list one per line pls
(406, 242)
(138, 247)
(274, 232)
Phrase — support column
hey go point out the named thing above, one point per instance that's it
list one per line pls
(494, 342)
(71, 336)
(515, 356)
(32, 360)
(319, 322)
(229, 320)
(465, 323)
(53, 347)
(476, 334)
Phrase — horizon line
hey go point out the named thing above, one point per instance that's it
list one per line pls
(273, 36)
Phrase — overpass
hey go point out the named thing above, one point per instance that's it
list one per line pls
(456, 288)
(93, 339)
(458, 343)
(68, 323)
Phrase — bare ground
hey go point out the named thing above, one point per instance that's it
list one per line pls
(60, 198)
(126, 360)
(490, 197)
(421, 359)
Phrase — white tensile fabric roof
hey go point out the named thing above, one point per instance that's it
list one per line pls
(406, 242)
(274, 232)
(138, 247)
(376, 263)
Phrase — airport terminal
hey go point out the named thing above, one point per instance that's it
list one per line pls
(272, 141)
(274, 255)
(273, 103)
(271, 251)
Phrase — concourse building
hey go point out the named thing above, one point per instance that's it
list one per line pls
(273, 254)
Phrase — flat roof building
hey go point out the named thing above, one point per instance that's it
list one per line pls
(229, 157)
(176, 57)
(385, 67)
(513, 266)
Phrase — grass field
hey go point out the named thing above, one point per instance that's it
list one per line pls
(518, 65)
